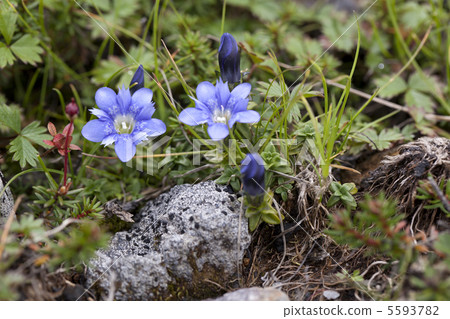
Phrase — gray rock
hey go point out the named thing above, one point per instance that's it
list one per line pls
(182, 241)
(331, 294)
(6, 201)
(255, 294)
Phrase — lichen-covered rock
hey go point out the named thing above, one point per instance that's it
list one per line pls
(6, 201)
(255, 294)
(182, 242)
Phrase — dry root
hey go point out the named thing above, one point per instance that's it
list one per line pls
(398, 175)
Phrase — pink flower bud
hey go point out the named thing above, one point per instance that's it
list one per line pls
(72, 109)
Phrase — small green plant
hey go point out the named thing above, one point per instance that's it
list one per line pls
(436, 197)
(430, 278)
(342, 193)
(377, 226)
(32, 244)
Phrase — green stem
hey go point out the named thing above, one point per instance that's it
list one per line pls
(224, 8)
(31, 170)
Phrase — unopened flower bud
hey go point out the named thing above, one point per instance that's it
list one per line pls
(229, 59)
(137, 82)
(72, 109)
(252, 170)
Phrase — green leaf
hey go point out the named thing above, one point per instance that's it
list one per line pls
(419, 100)
(333, 201)
(27, 49)
(397, 86)
(6, 56)
(271, 89)
(266, 10)
(270, 216)
(303, 48)
(8, 20)
(414, 15)
(22, 148)
(254, 221)
(384, 139)
(443, 243)
(10, 117)
(337, 28)
(35, 133)
(23, 151)
(408, 132)
(428, 85)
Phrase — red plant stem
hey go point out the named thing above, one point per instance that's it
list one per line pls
(66, 155)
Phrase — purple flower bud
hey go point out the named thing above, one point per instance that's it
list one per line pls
(229, 59)
(137, 82)
(72, 109)
(252, 171)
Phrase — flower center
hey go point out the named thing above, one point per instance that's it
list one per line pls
(124, 124)
(221, 115)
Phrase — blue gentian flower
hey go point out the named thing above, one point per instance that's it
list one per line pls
(219, 108)
(252, 171)
(123, 119)
(229, 59)
(137, 80)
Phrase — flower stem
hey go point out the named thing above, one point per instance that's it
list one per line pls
(224, 8)
(66, 152)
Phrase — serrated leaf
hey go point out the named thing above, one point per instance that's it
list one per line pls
(271, 89)
(27, 49)
(24, 152)
(408, 132)
(10, 117)
(6, 56)
(35, 133)
(8, 20)
(266, 10)
(419, 100)
(397, 86)
(22, 147)
(303, 48)
(336, 27)
(416, 82)
(414, 15)
(384, 139)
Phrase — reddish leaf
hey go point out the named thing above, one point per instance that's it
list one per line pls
(51, 128)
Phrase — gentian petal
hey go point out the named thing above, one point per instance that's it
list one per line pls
(193, 116)
(202, 106)
(153, 127)
(240, 106)
(100, 114)
(241, 91)
(249, 116)
(218, 131)
(142, 105)
(137, 80)
(106, 100)
(124, 99)
(222, 92)
(138, 137)
(97, 130)
(206, 93)
(125, 148)
(110, 139)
